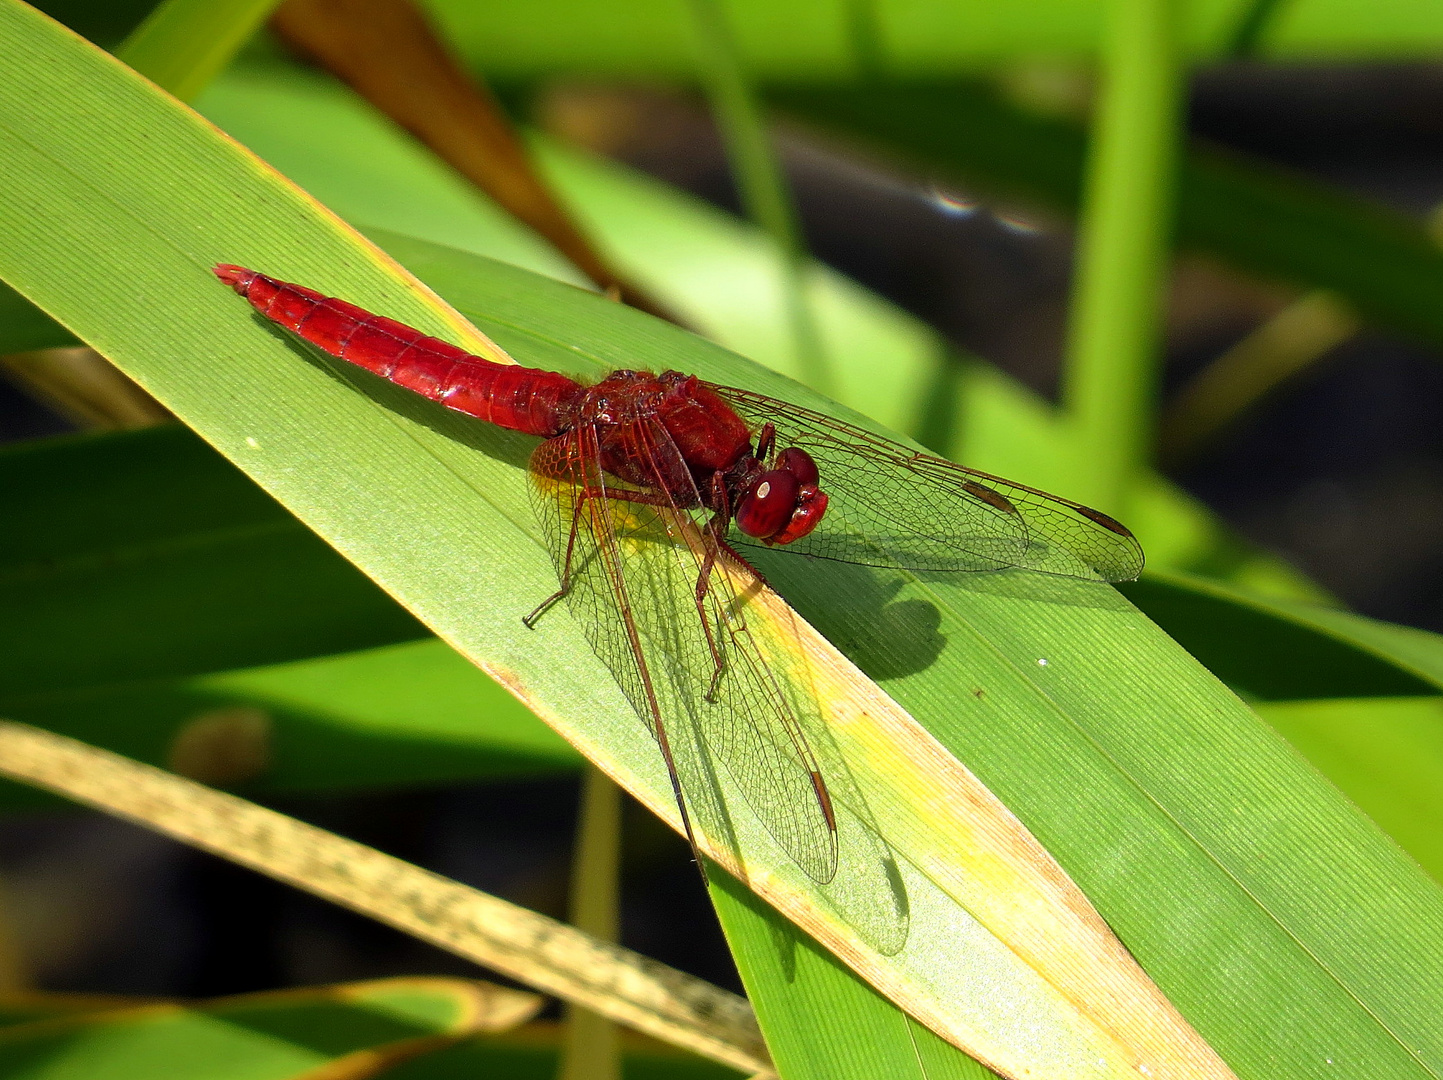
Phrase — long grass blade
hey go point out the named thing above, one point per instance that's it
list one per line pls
(183, 44)
(541, 952)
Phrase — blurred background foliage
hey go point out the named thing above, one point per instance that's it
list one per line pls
(931, 160)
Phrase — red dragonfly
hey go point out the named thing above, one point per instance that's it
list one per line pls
(677, 461)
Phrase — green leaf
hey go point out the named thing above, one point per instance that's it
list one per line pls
(23, 326)
(1385, 753)
(1273, 650)
(145, 555)
(155, 521)
(1280, 922)
(1359, 698)
(791, 979)
(1419, 651)
(323, 137)
(794, 39)
(183, 44)
(405, 715)
(270, 1036)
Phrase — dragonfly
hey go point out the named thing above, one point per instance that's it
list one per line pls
(650, 484)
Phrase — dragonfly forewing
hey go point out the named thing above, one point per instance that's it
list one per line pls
(897, 507)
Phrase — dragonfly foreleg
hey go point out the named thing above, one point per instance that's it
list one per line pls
(766, 440)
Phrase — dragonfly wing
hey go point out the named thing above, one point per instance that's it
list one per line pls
(568, 495)
(890, 505)
(636, 558)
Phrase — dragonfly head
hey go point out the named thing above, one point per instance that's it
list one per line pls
(783, 503)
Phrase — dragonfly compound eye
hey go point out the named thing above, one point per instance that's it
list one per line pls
(778, 508)
(811, 505)
(768, 504)
(799, 463)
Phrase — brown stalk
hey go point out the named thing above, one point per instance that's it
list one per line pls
(84, 387)
(389, 54)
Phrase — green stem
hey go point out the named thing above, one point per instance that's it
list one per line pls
(591, 1046)
(763, 188)
(1257, 19)
(183, 44)
(1110, 379)
(864, 34)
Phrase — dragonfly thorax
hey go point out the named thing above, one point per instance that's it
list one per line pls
(705, 457)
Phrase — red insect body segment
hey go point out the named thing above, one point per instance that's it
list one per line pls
(709, 434)
(520, 399)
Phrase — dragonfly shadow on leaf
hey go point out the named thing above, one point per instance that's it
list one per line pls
(1030, 585)
(859, 610)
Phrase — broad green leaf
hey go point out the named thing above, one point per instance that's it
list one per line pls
(23, 326)
(1386, 753)
(790, 978)
(183, 44)
(283, 1035)
(1275, 650)
(321, 136)
(1359, 698)
(1418, 650)
(103, 526)
(1199, 836)
(145, 556)
(1256, 216)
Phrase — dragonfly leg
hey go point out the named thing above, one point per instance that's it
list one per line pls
(624, 496)
(714, 531)
(529, 621)
(718, 663)
(766, 440)
(665, 743)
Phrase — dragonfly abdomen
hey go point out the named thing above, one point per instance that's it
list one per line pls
(520, 399)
